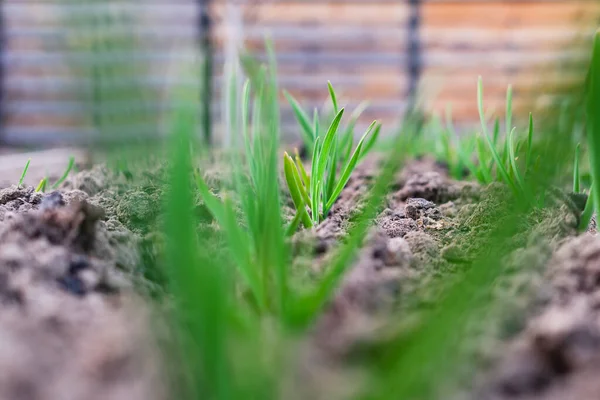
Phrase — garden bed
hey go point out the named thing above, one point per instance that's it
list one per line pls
(80, 278)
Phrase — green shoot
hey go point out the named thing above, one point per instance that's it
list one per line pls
(24, 172)
(576, 178)
(308, 134)
(65, 174)
(333, 97)
(41, 187)
(529, 144)
(198, 281)
(593, 121)
(322, 191)
(347, 139)
(297, 189)
(513, 159)
(500, 168)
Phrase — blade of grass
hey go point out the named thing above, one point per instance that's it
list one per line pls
(593, 120)
(24, 172)
(482, 168)
(198, 283)
(333, 97)
(347, 170)
(302, 118)
(294, 181)
(576, 178)
(304, 175)
(41, 187)
(65, 174)
(529, 144)
(348, 134)
(331, 173)
(499, 164)
(314, 181)
(330, 136)
(370, 143)
(513, 159)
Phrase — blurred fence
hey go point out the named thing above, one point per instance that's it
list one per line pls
(71, 68)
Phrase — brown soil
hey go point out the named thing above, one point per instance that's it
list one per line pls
(71, 327)
(76, 268)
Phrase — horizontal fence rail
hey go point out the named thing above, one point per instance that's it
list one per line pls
(73, 71)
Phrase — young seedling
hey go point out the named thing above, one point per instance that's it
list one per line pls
(592, 119)
(41, 187)
(24, 172)
(310, 131)
(509, 174)
(576, 178)
(319, 191)
(65, 174)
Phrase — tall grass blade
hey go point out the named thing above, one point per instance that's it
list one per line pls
(65, 174)
(499, 164)
(22, 178)
(529, 144)
(197, 281)
(347, 170)
(295, 186)
(303, 174)
(302, 118)
(593, 120)
(328, 143)
(371, 142)
(333, 97)
(576, 178)
(41, 187)
(513, 159)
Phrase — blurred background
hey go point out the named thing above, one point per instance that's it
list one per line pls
(77, 72)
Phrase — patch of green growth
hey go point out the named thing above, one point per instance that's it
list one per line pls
(65, 174)
(576, 176)
(41, 187)
(592, 119)
(319, 190)
(24, 172)
(241, 299)
(310, 129)
(505, 162)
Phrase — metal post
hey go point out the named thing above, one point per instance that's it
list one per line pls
(414, 64)
(2, 70)
(206, 48)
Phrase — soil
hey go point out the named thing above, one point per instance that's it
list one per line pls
(79, 272)
(71, 325)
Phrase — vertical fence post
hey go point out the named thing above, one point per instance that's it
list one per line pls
(2, 70)
(414, 52)
(206, 49)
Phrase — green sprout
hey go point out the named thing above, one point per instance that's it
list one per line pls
(505, 163)
(41, 187)
(319, 190)
(24, 172)
(65, 174)
(593, 133)
(576, 177)
(310, 131)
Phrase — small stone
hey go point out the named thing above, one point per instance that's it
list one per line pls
(52, 200)
(415, 207)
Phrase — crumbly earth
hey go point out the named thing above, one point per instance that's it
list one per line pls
(71, 325)
(77, 266)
